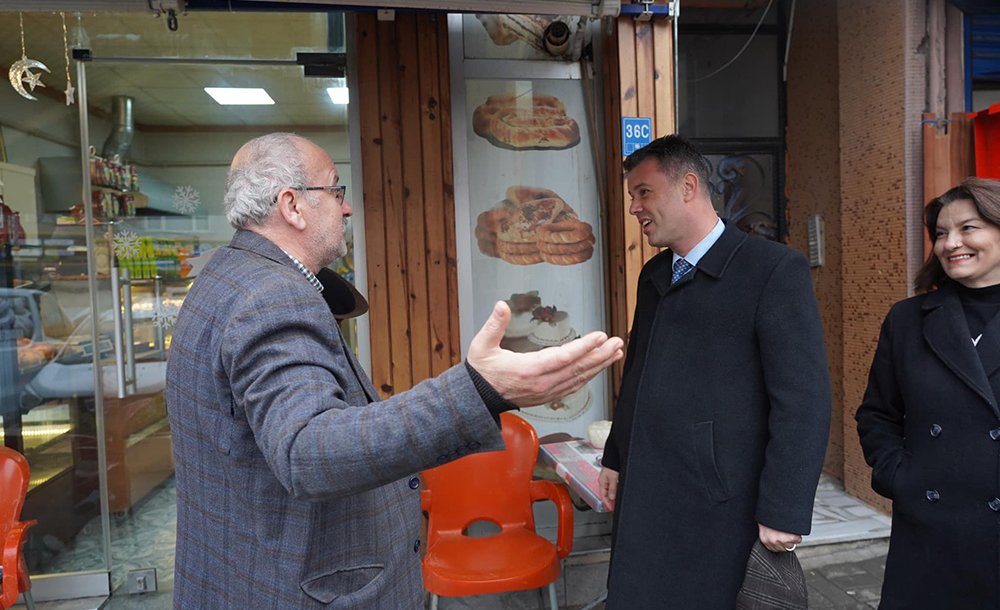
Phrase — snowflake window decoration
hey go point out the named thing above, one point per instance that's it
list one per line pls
(126, 244)
(186, 199)
(165, 316)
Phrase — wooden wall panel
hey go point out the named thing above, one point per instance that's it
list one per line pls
(948, 156)
(389, 70)
(371, 162)
(448, 202)
(639, 82)
(628, 92)
(616, 214)
(439, 329)
(413, 202)
(663, 77)
(408, 197)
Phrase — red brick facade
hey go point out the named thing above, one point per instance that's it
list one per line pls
(855, 94)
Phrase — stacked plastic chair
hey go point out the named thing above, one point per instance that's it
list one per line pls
(14, 476)
(496, 487)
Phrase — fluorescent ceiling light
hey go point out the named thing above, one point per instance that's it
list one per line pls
(338, 92)
(237, 96)
(338, 95)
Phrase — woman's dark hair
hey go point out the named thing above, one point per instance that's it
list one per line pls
(984, 194)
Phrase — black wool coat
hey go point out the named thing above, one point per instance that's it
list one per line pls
(930, 428)
(722, 423)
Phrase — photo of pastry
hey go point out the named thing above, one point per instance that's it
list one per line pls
(546, 36)
(534, 225)
(535, 122)
(567, 408)
(534, 326)
(521, 304)
(508, 29)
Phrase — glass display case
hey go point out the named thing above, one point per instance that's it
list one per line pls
(50, 415)
(49, 411)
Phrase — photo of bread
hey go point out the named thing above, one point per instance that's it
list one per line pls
(534, 225)
(541, 36)
(525, 122)
(508, 29)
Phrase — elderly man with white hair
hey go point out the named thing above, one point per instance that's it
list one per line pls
(296, 485)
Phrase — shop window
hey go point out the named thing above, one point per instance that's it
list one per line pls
(732, 106)
(744, 189)
(91, 279)
(531, 233)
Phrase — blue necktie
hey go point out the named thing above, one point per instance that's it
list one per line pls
(681, 267)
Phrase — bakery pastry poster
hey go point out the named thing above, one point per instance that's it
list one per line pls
(535, 233)
(539, 37)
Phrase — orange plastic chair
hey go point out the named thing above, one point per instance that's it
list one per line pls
(14, 475)
(495, 487)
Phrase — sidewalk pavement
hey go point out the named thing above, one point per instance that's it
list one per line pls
(843, 560)
(846, 576)
(842, 576)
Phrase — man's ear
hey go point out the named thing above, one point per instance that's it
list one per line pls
(689, 184)
(289, 206)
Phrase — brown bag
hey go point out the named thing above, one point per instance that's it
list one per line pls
(773, 581)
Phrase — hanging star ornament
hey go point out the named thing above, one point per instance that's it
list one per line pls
(20, 71)
(20, 74)
(70, 93)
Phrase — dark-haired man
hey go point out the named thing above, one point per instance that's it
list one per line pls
(722, 421)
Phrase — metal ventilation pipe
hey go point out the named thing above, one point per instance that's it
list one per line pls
(122, 128)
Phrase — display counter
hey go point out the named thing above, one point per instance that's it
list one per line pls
(51, 416)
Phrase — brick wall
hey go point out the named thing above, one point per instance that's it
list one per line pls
(813, 184)
(881, 95)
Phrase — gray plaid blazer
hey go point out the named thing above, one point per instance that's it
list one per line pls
(296, 487)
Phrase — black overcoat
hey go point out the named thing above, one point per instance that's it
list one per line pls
(930, 429)
(722, 422)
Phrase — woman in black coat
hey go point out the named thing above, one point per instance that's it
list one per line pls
(929, 423)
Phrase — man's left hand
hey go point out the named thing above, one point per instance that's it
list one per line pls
(777, 541)
(535, 378)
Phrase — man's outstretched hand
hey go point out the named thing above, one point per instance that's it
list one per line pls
(536, 378)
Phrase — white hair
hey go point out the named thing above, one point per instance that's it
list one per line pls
(264, 166)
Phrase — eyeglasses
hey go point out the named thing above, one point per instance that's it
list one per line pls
(339, 190)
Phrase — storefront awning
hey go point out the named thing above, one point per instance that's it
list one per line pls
(586, 8)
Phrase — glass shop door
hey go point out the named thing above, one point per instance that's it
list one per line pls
(121, 223)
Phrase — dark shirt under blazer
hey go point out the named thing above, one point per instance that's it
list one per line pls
(295, 487)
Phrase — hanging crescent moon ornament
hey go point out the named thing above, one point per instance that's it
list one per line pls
(20, 73)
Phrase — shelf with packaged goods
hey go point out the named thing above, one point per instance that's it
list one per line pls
(63, 256)
(111, 205)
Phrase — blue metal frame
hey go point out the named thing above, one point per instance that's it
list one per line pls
(656, 10)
